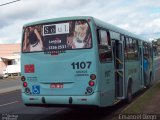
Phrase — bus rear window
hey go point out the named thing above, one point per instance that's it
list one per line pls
(59, 36)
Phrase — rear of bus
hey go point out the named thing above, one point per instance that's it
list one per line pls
(58, 63)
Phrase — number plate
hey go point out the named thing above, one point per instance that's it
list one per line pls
(56, 85)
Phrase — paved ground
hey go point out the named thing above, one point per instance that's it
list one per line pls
(7, 85)
(11, 104)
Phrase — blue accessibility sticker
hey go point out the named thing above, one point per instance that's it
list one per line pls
(36, 89)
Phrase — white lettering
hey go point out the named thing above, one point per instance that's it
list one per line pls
(137, 117)
(52, 31)
(55, 41)
(45, 30)
(149, 117)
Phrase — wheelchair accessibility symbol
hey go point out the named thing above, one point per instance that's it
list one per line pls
(36, 89)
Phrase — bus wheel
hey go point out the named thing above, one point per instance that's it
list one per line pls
(129, 94)
(150, 81)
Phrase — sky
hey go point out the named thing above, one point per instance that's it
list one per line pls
(141, 17)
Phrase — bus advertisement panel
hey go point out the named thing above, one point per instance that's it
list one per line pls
(54, 37)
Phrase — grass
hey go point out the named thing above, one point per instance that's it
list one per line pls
(139, 104)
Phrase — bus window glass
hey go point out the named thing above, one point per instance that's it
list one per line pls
(57, 36)
(146, 50)
(105, 51)
(126, 47)
(131, 49)
(135, 44)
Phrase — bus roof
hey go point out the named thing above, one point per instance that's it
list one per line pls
(117, 29)
(97, 22)
(59, 19)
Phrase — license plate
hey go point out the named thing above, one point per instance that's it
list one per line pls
(56, 85)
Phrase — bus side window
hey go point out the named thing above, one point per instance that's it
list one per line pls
(104, 46)
(146, 50)
(135, 44)
(126, 47)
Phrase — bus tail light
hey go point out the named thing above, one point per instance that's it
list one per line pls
(29, 68)
(92, 76)
(23, 78)
(25, 84)
(91, 83)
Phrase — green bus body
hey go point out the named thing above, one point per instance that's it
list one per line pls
(106, 69)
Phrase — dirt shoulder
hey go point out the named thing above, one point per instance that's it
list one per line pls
(145, 107)
(153, 107)
(148, 102)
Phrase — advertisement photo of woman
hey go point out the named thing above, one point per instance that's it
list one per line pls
(32, 40)
(80, 37)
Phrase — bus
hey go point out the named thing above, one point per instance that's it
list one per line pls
(82, 61)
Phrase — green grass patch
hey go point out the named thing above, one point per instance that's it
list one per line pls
(141, 102)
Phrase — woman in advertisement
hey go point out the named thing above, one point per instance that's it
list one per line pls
(80, 37)
(32, 40)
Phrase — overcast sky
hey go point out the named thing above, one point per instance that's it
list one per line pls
(137, 16)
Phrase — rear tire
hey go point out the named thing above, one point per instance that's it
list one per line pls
(129, 94)
(150, 81)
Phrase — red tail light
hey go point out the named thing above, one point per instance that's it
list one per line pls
(29, 68)
(92, 76)
(23, 78)
(25, 84)
(91, 83)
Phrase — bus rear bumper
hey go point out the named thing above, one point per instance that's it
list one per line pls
(91, 100)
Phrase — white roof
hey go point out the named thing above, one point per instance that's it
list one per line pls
(10, 57)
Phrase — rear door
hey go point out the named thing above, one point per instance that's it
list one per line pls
(119, 66)
(106, 66)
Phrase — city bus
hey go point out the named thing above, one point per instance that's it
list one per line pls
(82, 61)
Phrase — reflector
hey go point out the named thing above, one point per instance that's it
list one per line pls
(29, 68)
(89, 89)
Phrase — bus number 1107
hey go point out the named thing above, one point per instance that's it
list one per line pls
(81, 65)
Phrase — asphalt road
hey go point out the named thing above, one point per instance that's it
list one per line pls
(11, 105)
(7, 85)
